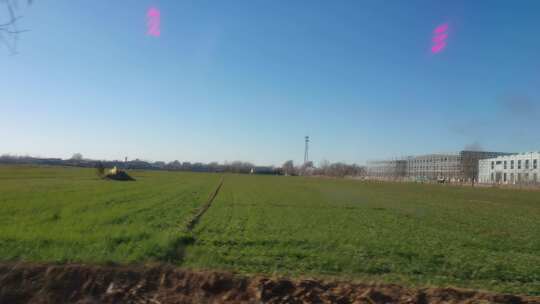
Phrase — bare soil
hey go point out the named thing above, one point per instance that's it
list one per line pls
(74, 283)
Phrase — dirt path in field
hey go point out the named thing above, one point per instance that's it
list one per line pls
(195, 219)
(46, 283)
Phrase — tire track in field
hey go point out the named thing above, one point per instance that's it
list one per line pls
(202, 210)
(178, 251)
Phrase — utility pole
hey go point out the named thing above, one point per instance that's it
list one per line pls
(306, 158)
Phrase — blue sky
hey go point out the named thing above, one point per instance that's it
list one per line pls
(246, 80)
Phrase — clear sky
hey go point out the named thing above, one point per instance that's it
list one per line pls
(247, 80)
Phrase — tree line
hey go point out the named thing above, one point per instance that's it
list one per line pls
(325, 168)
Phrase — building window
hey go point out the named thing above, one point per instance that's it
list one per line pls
(535, 178)
(519, 164)
(492, 176)
(526, 164)
(504, 177)
(519, 177)
(512, 177)
(535, 164)
(526, 177)
(492, 166)
(511, 164)
(505, 165)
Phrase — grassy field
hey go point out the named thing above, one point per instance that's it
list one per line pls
(405, 233)
(68, 214)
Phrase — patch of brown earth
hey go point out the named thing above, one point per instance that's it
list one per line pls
(45, 283)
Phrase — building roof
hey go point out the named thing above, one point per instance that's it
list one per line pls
(514, 155)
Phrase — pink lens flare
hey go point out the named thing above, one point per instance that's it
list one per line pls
(441, 28)
(440, 34)
(153, 22)
(439, 38)
(438, 47)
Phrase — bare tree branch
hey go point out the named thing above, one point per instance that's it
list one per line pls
(13, 32)
(11, 22)
(9, 32)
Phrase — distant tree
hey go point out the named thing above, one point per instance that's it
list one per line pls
(197, 167)
(77, 156)
(239, 167)
(307, 168)
(236, 166)
(159, 164)
(213, 166)
(100, 169)
(174, 165)
(288, 167)
(469, 166)
(338, 169)
(324, 165)
(359, 170)
(186, 166)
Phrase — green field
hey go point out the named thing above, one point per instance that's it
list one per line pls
(68, 214)
(406, 233)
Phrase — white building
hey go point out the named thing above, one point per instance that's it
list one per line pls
(520, 168)
(449, 167)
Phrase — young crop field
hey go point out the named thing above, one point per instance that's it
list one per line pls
(412, 234)
(69, 214)
(405, 233)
